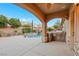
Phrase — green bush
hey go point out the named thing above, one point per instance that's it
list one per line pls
(50, 29)
(3, 21)
(34, 31)
(2, 24)
(26, 30)
(26, 25)
(56, 26)
(14, 22)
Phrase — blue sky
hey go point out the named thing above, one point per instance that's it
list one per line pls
(13, 11)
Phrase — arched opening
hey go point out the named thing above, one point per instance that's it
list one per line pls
(56, 29)
(28, 25)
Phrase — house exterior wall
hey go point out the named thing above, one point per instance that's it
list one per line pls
(72, 29)
(76, 30)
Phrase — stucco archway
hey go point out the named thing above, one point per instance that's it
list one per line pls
(36, 13)
(45, 14)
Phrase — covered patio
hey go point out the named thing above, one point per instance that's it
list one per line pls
(46, 12)
(69, 12)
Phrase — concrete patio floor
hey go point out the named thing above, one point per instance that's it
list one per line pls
(20, 46)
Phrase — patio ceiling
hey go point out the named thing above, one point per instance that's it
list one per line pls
(47, 11)
(49, 8)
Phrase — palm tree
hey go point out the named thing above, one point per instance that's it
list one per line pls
(32, 25)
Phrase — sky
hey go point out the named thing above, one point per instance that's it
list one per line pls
(13, 11)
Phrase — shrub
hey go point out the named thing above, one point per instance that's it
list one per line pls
(14, 22)
(26, 30)
(3, 21)
(34, 31)
(50, 29)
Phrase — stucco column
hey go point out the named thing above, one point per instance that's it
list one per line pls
(66, 29)
(71, 28)
(45, 39)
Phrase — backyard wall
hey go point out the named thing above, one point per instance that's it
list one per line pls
(10, 32)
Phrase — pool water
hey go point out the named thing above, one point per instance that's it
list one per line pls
(34, 36)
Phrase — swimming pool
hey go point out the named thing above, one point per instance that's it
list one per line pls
(34, 36)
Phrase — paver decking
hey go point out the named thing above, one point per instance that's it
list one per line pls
(20, 46)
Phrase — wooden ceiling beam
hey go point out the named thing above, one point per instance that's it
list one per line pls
(33, 9)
